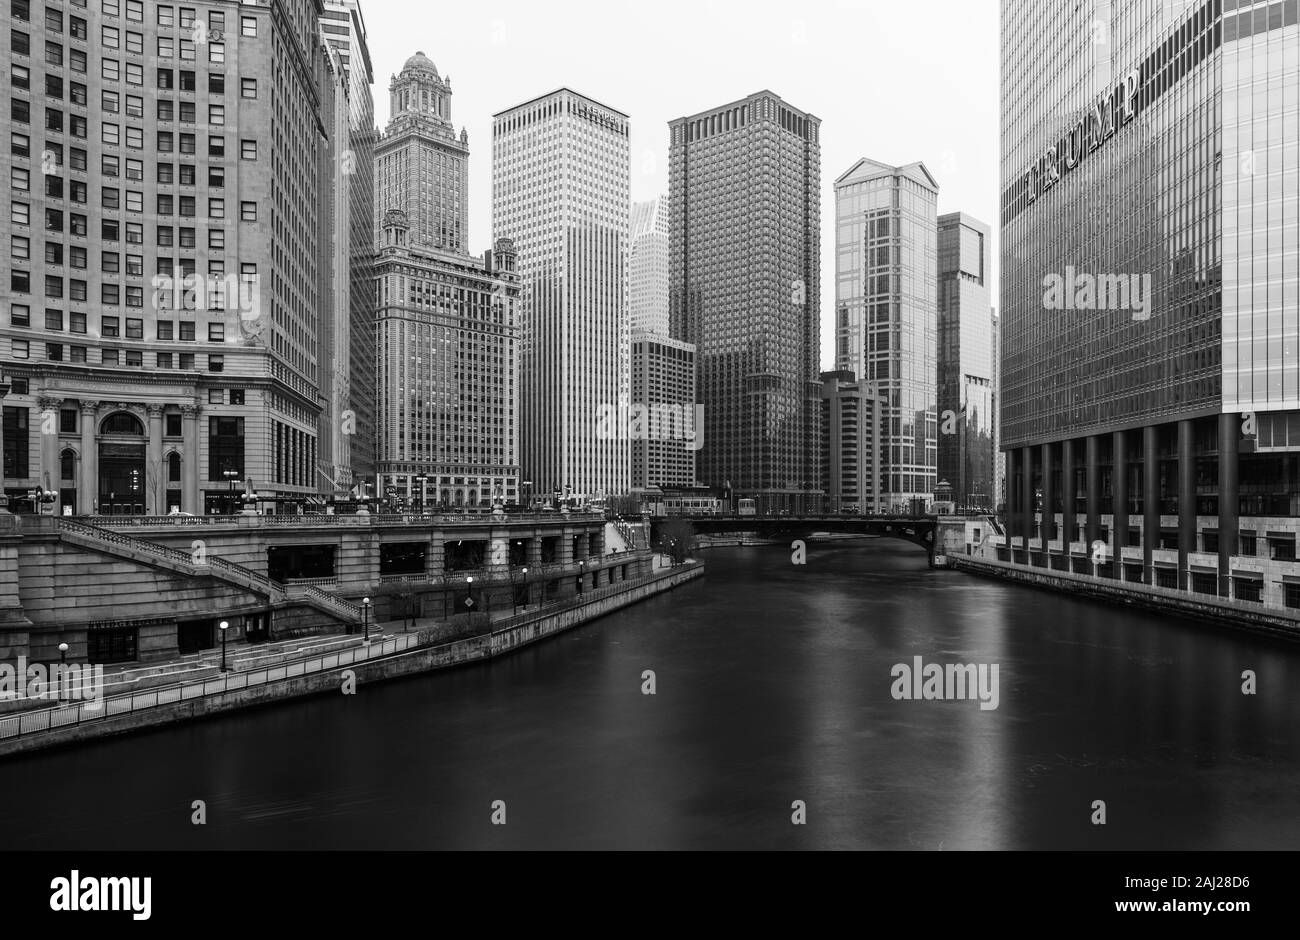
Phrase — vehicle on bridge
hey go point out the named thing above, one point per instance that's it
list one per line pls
(745, 507)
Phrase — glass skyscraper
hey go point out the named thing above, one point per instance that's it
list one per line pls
(886, 316)
(744, 246)
(1151, 384)
(967, 380)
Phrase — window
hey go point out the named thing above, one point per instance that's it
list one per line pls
(20, 42)
(134, 233)
(109, 37)
(110, 69)
(187, 17)
(53, 285)
(78, 161)
(236, 396)
(215, 397)
(166, 173)
(109, 357)
(186, 143)
(187, 174)
(248, 88)
(165, 236)
(166, 47)
(134, 42)
(187, 241)
(110, 165)
(171, 425)
(16, 437)
(186, 361)
(110, 101)
(53, 119)
(20, 282)
(20, 179)
(108, 327)
(20, 110)
(20, 145)
(216, 332)
(166, 109)
(111, 198)
(21, 349)
(54, 352)
(111, 7)
(135, 266)
(216, 208)
(248, 149)
(187, 330)
(248, 212)
(166, 16)
(166, 204)
(54, 320)
(165, 362)
(77, 93)
(109, 262)
(77, 27)
(187, 112)
(186, 80)
(109, 230)
(20, 213)
(248, 26)
(134, 358)
(20, 76)
(20, 247)
(216, 83)
(54, 253)
(76, 353)
(217, 239)
(53, 87)
(216, 114)
(20, 315)
(165, 79)
(76, 323)
(134, 328)
(216, 176)
(216, 52)
(135, 10)
(134, 74)
(165, 142)
(110, 294)
(77, 290)
(134, 168)
(77, 59)
(165, 331)
(216, 146)
(53, 220)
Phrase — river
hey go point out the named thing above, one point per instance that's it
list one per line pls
(772, 685)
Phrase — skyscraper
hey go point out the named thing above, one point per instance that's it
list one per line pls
(560, 178)
(1148, 313)
(745, 285)
(421, 163)
(447, 323)
(967, 379)
(850, 443)
(886, 273)
(165, 253)
(647, 280)
(345, 31)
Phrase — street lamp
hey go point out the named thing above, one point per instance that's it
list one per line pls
(365, 620)
(231, 476)
(63, 667)
(224, 625)
(582, 566)
(525, 605)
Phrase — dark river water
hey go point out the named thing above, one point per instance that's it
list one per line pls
(773, 684)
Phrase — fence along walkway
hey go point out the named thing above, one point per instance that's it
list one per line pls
(49, 719)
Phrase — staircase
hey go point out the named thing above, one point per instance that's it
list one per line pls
(115, 543)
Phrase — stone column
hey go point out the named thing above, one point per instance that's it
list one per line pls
(88, 478)
(155, 467)
(1013, 496)
(47, 409)
(1093, 495)
(1186, 498)
(1229, 433)
(1069, 494)
(1049, 500)
(190, 460)
(1030, 529)
(1119, 499)
(1150, 501)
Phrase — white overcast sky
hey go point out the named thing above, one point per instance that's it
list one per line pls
(894, 80)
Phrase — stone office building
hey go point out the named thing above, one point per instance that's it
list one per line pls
(167, 253)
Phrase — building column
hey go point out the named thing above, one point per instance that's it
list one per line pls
(88, 477)
(1093, 496)
(155, 466)
(1119, 498)
(1027, 497)
(190, 466)
(1186, 499)
(1049, 497)
(1229, 429)
(1069, 494)
(48, 412)
(1013, 496)
(1150, 501)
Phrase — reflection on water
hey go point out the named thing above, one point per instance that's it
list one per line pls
(772, 685)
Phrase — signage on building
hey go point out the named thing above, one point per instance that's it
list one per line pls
(597, 116)
(1109, 112)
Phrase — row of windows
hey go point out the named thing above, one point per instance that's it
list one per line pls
(131, 358)
(111, 327)
(167, 15)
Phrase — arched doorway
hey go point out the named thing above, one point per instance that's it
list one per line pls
(122, 471)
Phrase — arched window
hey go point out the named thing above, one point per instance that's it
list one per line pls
(173, 467)
(68, 465)
(122, 422)
(473, 497)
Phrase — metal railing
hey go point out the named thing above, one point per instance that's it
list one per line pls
(340, 520)
(48, 719)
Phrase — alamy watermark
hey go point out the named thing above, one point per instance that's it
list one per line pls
(1076, 290)
(951, 682)
(662, 421)
(71, 682)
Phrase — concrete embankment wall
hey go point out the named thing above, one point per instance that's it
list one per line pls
(423, 659)
(1221, 611)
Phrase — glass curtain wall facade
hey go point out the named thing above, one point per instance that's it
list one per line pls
(965, 365)
(1150, 153)
(886, 270)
